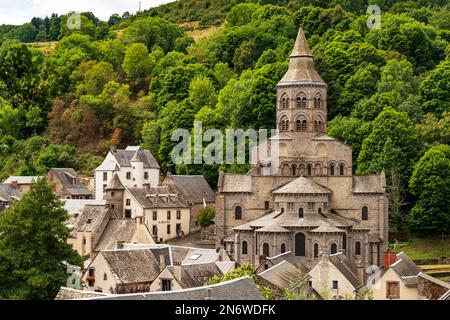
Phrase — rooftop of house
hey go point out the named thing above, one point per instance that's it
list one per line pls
(136, 266)
(346, 267)
(65, 293)
(8, 193)
(192, 276)
(288, 257)
(92, 219)
(283, 275)
(181, 255)
(193, 188)
(124, 158)
(70, 181)
(238, 289)
(157, 197)
(75, 206)
(22, 179)
(406, 269)
(117, 230)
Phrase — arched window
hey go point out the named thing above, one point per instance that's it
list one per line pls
(358, 248)
(294, 170)
(319, 126)
(304, 103)
(301, 213)
(315, 125)
(238, 213)
(298, 125)
(333, 248)
(284, 125)
(344, 241)
(282, 209)
(285, 102)
(318, 101)
(283, 248)
(331, 169)
(266, 249)
(304, 125)
(341, 169)
(244, 247)
(365, 213)
(260, 169)
(309, 170)
(300, 249)
(316, 250)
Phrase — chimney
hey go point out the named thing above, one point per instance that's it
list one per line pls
(162, 261)
(138, 221)
(14, 184)
(113, 149)
(390, 257)
(360, 271)
(177, 271)
(120, 244)
(325, 257)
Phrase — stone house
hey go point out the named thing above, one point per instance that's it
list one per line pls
(8, 194)
(195, 190)
(335, 276)
(397, 280)
(67, 184)
(125, 271)
(135, 166)
(162, 210)
(99, 228)
(306, 198)
(22, 183)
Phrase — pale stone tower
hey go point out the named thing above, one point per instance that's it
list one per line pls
(302, 94)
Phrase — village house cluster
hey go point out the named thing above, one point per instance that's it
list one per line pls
(310, 227)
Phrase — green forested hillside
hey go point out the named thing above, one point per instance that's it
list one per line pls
(134, 79)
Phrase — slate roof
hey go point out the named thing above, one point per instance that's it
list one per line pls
(238, 289)
(92, 219)
(289, 257)
(346, 267)
(233, 182)
(440, 283)
(134, 266)
(367, 184)
(406, 269)
(117, 230)
(196, 275)
(302, 185)
(325, 222)
(65, 176)
(115, 183)
(123, 157)
(8, 193)
(283, 275)
(75, 206)
(194, 188)
(22, 179)
(301, 64)
(65, 293)
(157, 197)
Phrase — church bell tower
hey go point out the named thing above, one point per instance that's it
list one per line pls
(301, 93)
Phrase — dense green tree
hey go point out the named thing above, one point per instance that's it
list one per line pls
(430, 183)
(434, 90)
(241, 14)
(33, 247)
(137, 66)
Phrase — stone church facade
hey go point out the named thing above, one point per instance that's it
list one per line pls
(309, 201)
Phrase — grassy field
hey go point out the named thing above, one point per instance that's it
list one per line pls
(420, 248)
(199, 33)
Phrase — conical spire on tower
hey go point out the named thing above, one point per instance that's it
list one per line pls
(301, 64)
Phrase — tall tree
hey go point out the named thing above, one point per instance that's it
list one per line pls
(430, 182)
(33, 248)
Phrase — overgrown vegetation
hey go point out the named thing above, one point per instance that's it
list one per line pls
(134, 79)
(206, 217)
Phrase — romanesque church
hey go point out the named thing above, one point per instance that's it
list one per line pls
(310, 202)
